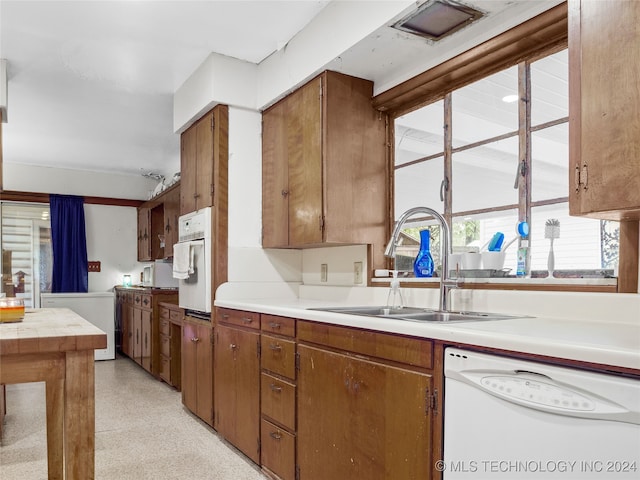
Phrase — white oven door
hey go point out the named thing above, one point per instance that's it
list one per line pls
(194, 293)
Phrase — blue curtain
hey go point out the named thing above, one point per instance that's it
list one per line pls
(69, 244)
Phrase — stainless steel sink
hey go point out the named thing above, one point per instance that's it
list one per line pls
(418, 314)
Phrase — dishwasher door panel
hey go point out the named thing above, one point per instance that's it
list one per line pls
(489, 437)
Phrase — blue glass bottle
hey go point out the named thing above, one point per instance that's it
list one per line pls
(423, 265)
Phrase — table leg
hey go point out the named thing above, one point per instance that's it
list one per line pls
(79, 415)
(55, 425)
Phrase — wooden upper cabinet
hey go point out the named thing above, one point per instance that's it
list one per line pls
(325, 174)
(144, 234)
(204, 148)
(604, 99)
(171, 214)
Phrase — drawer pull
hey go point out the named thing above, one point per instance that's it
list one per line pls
(275, 347)
(274, 325)
(233, 346)
(275, 388)
(247, 319)
(275, 435)
(195, 339)
(225, 316)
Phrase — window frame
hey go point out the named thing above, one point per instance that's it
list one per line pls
(543, 35)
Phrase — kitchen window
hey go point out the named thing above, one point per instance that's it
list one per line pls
(493, 153)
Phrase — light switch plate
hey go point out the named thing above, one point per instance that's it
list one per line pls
(357, 273)
(323, 272)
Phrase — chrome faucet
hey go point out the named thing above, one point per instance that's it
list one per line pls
(446, 283)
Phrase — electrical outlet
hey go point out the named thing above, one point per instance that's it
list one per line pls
(323, 272)
(357, 273)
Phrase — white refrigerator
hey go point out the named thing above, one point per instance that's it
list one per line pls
(96, 307)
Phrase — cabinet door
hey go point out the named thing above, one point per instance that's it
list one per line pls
(304, 146)
(361, 419)
(144, 234)
(126, 330)
(604, 126)
(145, 336)
(188, 172)
(237, 392)
(204, 164)
(189, 363)
(137, 335)
(171, 214)
(275, 173)
(204, 374)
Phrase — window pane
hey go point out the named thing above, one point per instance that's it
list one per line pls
(26, 251)
(579, 245)
(419, 185)
(483, 177)
(550, 88)
(479, 111)
(550, 163)
(482, 228)
(420, 133)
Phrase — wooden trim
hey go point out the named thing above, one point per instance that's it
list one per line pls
(37, 197)
(628, 258)
(547, 30)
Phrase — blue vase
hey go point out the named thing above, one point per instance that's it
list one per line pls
(423, 265)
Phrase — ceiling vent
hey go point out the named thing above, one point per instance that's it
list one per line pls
(437, 19)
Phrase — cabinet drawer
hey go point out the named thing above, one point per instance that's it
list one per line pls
(278, 356)
(238, 317)
(411, 351)
(278, 450)
(165, 345)
(164, 312)
(175, 316)
(165, 326)
(278, 400)
(165, 369)
(145, 301)
(278, 325)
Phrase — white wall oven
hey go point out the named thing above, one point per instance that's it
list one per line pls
(192, 262)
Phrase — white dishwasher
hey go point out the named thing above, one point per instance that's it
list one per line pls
(510, 419)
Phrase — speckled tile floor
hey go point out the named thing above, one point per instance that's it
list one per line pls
(142, 432)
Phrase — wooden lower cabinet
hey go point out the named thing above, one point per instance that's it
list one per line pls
(365, 416)
(139, 317)
(171, 344)
(197, 367)
(237, 391)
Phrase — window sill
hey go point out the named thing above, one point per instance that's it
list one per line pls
(608, 285)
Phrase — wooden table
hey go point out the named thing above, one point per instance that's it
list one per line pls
(55, 345)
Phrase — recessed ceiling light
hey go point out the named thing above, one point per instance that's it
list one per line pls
(510, 98)
(437, 19)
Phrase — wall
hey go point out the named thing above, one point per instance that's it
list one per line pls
(111, 239)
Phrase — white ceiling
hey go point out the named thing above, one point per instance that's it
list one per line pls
(91, 83)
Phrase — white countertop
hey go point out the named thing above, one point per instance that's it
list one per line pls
(606, 343)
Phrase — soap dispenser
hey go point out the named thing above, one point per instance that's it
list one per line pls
(423, 264)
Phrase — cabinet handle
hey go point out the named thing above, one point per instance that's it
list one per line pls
(137, 336)
(195, 339)
(275, 388)
(585, 176)
(168, 227)
(247, 319)
(275, 435)
(576, 178)
(146, 340)
(225, 316)
(274, 325)
(275, 347)
(233, 346)
(285, 193)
